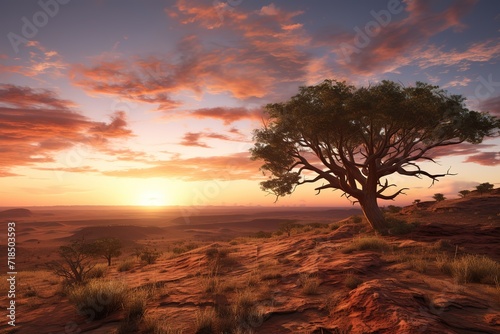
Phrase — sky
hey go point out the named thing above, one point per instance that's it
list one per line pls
(121, 102)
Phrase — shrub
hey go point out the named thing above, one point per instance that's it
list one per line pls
(475, 269)
(107, 248)
(98, 271)
(150, 255)
(399, 227)
(263, 235)
(394, 209)
(287, 227)
(135, 304)
(356, 219)
(125, 266)
(98, 298)
(484, 188)
(367, 243)
(439, 197)
(205, 321)
(352, 281)
(77, 260)
(463, 193)
(309, 283)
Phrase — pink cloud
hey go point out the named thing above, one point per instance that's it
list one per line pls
(400, 41)
(485, 158)
(36, 124)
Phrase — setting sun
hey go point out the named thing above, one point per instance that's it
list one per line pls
(153, 198)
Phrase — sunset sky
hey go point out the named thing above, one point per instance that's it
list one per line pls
(113, 102)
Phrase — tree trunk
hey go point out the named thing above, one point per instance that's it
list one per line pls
(373, 213)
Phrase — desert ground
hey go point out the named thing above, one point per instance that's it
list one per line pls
(240, 270)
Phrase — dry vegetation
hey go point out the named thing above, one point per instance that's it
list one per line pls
(310, 281)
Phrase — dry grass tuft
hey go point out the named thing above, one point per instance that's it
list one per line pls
(367, 243)
(310, 283)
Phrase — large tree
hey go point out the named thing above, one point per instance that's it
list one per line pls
(352, 138)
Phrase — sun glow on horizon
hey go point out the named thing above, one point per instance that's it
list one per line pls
(153, 198)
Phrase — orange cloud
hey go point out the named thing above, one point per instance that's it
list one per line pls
(194, 138)
(401, 41)
(485, 158)
(228, 115)
(36, 124)
(236, 166)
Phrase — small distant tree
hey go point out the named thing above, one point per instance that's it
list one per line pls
(484, 188)
(287, 227)
(416, 202)
(439, 197)
(463, 193)
(107, 248)
(149, 255)
(77, 260)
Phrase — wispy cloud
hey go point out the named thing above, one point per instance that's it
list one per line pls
(36, 124)
(236, 166)
(485, 158)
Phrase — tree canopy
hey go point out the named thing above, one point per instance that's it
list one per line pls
(352, 138)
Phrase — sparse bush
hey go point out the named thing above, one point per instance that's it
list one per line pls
(399, 227)
(287, 227)
(98, 298)
(356, 219)
(475, 269)
(263, 235)
(463, 193)
(438, 197)
(352, 281)
(150, 255)
(367, 243)
(205, 321)
(107, 248)
(98, 271)
(393, 209)
(125, 266)
(211, 284)
(443, 244)
(155, 325)
(484, 188)
(135, 304)
(77, 260)
(310, 284)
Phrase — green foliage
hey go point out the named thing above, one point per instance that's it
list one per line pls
(484, 188)
(347, 128)
(393, 209)
(149, 255)
(125, 266)
(288, 226)
(463, 193)
(439, 197)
